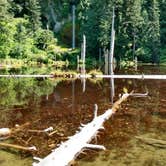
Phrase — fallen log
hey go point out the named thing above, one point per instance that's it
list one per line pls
(76, 144)
(41, 131)
(6, 145)
(138, 76)
(27, 75)
(132, 76)
(7, 132)
(154, 142)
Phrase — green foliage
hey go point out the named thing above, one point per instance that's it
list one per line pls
(66, 35)
(5, 29)
(139, 25)
(29, 9)
(131, 22)
(16, 92)
(90, 14)
(152, 26)
(20, 38)
(163, 56)
(54, 12)
(162, 7)
(4, 11)
(44, 38)
(21, 42)
(33, 12)
(71, 56)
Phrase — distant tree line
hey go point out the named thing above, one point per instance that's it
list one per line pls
(29, 27)
(139, 26)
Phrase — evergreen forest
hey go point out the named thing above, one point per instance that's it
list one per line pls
(83, 82)
(41, 30)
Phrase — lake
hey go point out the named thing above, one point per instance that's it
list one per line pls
(63, 105)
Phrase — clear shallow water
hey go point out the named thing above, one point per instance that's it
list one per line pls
(63, 105)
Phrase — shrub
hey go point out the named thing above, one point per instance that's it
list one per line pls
(44, 38)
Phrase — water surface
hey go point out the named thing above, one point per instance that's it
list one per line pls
(63, 105)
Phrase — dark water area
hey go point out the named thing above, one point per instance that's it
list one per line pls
(63, 105)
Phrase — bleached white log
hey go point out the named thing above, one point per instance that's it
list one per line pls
(132, 76)
(27, 76)
(70, 149)
(48, 129)
(5, 132)
(33, 148)
(7, 145)
(139, 76)
(95, 146)
(140, 94)
(95, 110)
(37, 159)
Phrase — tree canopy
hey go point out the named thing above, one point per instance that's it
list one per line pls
(26, 27)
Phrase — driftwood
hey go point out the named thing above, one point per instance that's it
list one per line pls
(6, 145)
(41, 131)
(6, 132)
(76, 144)
(152, 141)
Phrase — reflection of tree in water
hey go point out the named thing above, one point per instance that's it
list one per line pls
(19, 92)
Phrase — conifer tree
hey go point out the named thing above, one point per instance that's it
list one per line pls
(4, 13)
(130, 27)
(34, 13)
(153, 29)
(5, 30)
(89, 19)
(162, 6)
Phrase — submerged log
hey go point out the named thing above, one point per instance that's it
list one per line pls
(152, 141)
(6, 145)
(76, 144)
(41, 131)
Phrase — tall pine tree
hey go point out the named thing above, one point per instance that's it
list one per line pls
(33, 12)
(153, 29)
(5, 29)
(163, 22)
(130, 27)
